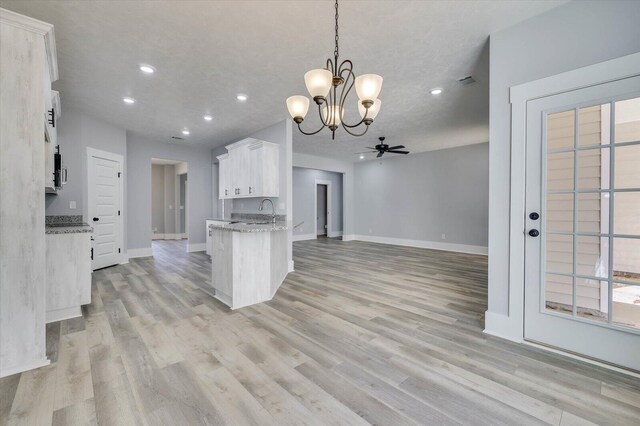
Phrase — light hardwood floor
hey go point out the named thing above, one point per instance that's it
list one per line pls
(360, 333)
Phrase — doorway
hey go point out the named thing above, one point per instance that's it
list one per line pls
(169, 203)
(582, 247)
(323, 208)
(105, 211)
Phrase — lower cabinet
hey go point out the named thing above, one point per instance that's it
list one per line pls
(68, 275)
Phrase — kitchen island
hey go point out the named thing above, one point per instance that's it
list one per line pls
(249, 261)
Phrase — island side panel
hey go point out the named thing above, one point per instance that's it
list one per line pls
(222, 265)
(251, 268)
(279, 261)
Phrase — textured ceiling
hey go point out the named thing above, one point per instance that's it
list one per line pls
(206, 52)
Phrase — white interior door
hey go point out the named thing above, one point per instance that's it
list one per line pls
(582, 249)
(105, 207)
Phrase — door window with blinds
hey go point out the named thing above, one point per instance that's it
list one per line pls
(592, 205)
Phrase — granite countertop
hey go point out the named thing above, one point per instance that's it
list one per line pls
(66, 224)
(67, 228)
(252, 227)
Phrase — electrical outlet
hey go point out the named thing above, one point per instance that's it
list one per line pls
(170, 206)
(370, 230)
(72, 205)
(444, 237)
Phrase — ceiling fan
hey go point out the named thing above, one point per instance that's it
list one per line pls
(382, 147)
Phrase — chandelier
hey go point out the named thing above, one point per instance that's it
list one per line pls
(329, 88)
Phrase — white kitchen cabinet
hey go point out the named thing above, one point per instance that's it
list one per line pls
(264, 170)
(249, 169)
(51, 140)
(239, 161)
(27, 52)
(208, 233)
(224, 181)
(68, 275)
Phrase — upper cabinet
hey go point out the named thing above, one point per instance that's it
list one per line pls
(52, 110)
(249, 169)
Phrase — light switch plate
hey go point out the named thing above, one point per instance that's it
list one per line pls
(72, 205)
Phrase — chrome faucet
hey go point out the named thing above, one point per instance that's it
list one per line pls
(273, 209)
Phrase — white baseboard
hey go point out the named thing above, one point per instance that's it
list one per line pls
(168, 236)
(196, 247)
(24, 367)
(348, 237)
(183, 236)
(290, 268)
(62, 314)
(335, 234)
(304, 237)
(139, 252)
(434, 245)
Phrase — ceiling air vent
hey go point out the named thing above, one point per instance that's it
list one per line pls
(178, 138)
(466, 80)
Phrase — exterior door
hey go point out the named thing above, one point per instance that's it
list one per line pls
(582, 249)
(105, 212)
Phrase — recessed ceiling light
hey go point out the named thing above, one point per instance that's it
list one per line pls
(128, 100)
(147, 69)
(208, 117)
(242, 97)
(436, 91)
(362, 156)
(185, 132)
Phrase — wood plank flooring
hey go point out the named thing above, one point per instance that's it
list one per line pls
(360, 334)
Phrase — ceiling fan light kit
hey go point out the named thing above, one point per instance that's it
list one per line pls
(329, 88)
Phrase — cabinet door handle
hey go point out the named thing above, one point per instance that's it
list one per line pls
(250, 190)
(226, 192)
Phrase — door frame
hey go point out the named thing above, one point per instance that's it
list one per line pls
(511, 325)
(93, 152)
(315, 206)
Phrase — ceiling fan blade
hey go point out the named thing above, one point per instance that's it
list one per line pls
(370, 147)
(398, 152)
(380, 154)
(396, 147)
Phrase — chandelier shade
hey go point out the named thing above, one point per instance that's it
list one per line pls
(368, 86)
(372, 112)
(298, 106)
(332, 116)
(329, 88)
(318, 82)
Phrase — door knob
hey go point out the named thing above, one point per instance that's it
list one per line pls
(534, 232)
(534, 216)
(95, 219)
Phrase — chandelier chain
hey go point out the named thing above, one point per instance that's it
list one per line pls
(335, 52)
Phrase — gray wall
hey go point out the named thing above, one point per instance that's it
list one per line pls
(304, 183)
(345, 168)
(157, 198)
(140, 150)
(169, 199)
(76, 132)
(571, 36)
(422, 196)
